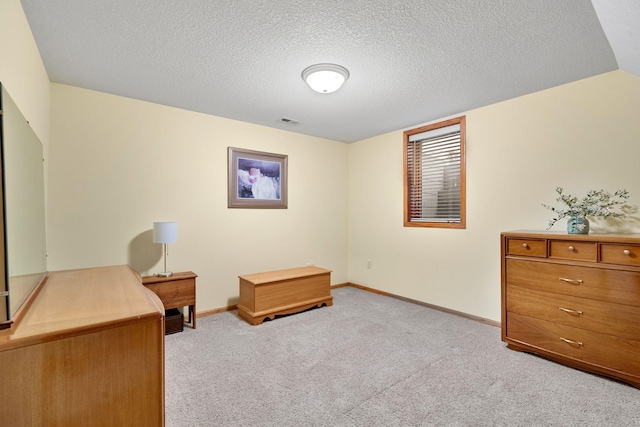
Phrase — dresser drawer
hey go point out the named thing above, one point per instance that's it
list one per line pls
(622, 287)
(615, 353)
(608, 318)
(566, 249)
(527, 247)
(176, 293)
(620, 254)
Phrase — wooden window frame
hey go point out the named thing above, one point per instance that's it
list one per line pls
(462, 223)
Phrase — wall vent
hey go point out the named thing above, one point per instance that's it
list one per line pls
(289, 121)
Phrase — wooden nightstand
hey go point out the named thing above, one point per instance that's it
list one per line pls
(176, 291)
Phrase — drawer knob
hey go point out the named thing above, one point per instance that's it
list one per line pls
(571, 248)
(578, 343)
(572, 312)
(524, 245)
(626, 252)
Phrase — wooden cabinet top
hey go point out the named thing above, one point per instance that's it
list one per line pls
(73, 302)
(147, 280)
(279, 275)
(558, 235)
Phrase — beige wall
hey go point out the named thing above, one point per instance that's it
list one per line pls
(21, 69)
(581, 136)
(117, 165)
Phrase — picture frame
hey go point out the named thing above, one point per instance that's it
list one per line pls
(257, 179)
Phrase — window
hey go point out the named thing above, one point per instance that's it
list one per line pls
(434, 175)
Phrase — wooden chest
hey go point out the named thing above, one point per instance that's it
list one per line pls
(267, 295)
(574, 299)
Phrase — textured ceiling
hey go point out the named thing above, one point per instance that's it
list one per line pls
(620, 20)
(410, 61)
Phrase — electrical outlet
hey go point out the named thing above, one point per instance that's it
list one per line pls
(369, 264)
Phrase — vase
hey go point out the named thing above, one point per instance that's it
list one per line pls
(578, 225)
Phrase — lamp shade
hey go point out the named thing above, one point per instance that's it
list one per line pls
(165, 232)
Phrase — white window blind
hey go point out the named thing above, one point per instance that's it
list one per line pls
(433, 167)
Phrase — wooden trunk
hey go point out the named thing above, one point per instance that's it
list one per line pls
(267, 295)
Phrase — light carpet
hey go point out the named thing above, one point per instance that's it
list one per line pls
(371, 360)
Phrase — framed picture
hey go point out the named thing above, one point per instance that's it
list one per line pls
(257, 179)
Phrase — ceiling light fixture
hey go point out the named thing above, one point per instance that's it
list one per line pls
(325, 78)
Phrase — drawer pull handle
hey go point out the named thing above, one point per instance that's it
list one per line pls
(571, 280)
(524, 245)
(568, 310)
(578, 343)
(626, 252)
(571, 248)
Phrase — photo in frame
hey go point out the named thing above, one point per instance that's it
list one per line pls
(257, 179)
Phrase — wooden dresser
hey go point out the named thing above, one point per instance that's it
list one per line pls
(88, 351)
(574, 299)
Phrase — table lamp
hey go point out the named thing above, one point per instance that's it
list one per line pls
(165, 232)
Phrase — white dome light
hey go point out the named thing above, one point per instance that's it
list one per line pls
(325, 78)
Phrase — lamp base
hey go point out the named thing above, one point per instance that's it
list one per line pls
(165, 274)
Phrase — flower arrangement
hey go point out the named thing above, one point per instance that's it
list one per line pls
(597, 203)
